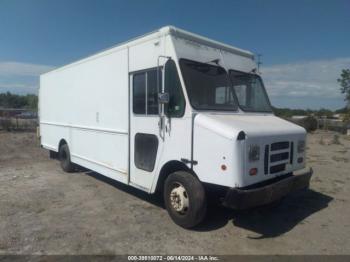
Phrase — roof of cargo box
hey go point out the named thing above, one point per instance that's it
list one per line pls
(166, 30)
(177, 32)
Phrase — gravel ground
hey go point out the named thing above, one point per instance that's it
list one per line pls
(46, 211)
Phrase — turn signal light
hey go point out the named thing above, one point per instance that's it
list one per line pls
(253, 171)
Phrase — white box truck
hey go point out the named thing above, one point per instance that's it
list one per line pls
(176, 113)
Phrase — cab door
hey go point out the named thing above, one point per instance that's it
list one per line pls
(145, 142)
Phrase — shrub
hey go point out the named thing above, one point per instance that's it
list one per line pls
(309, 123)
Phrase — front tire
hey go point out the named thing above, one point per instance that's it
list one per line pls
(184, 198)
(64, 157)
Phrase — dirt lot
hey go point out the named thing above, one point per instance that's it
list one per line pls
(46, 211)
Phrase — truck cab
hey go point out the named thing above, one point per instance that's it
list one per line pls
(237, 145)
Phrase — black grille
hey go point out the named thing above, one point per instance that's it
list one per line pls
(266, 160)
(279, 157)
(277, 168)
(279, 146)
(276, 161)
(291, 153)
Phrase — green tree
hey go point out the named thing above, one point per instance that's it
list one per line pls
(8, 100)
(32, 102)
(324, 113)
(344, 82)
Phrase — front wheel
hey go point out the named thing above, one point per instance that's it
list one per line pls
(184, 198)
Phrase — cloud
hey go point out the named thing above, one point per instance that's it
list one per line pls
(19, 88)
(309, 79)
(22, 69)
(306, 84)
(21, 78)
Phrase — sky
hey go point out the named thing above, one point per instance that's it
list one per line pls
(304, 43)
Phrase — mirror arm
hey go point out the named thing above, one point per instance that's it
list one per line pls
(161, 106)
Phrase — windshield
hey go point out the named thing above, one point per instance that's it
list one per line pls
(208, 86)
(250, 92)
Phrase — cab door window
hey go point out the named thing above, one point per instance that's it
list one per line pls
(145, 93)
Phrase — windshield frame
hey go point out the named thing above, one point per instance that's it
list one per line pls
(229, 84)
(264, 92)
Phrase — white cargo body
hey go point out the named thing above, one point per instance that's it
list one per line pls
(168, 107)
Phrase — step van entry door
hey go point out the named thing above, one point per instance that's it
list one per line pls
(146, 142)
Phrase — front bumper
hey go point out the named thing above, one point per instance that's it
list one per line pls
(240, 198)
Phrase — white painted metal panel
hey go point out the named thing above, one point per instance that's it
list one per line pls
(201, 53)
(177, 141)
(87, 105)
(211, 151)
(215, 138)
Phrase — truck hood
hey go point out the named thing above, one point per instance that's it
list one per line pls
(230, 126)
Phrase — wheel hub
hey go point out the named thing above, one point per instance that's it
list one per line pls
(179, 199)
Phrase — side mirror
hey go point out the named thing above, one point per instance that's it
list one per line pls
(163, 98)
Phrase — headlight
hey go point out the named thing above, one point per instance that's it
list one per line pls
(254, 153)
(301, 146)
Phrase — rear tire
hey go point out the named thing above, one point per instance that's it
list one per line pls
(64, 157)
(184, 198)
